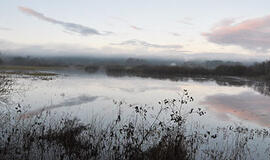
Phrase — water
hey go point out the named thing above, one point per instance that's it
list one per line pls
(226, 100)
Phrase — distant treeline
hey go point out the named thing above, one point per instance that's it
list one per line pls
(138, 67)
(261, 70)
(74, 60)
(29, 61)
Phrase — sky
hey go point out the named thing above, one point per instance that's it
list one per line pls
(224, 29)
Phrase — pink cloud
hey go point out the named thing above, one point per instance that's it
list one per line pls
(252, 34)
(135, 27)
(126, 22)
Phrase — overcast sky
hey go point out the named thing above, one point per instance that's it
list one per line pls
(137, 27)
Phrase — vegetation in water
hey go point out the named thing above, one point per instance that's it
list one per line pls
(30, 73)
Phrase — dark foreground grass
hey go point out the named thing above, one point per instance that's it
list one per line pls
(140, 137)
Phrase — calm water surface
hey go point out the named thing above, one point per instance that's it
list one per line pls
(226, 101)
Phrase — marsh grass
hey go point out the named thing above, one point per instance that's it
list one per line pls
(40, 72)
(27, 74)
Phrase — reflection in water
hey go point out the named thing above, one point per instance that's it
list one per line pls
(246, 105)
(142, 88)
(145, 91)
(262, 87)
(68, 103)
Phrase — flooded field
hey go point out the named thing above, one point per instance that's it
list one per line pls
(226, 100)
(231, 105)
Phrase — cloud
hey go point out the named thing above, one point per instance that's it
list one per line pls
(126, 22)
(247, 106)
(253, 34)
(186, 21)
(5, 29)
(224, 22)
(71, 49)
(135, 27)
(135, 42)
(72, 27)
(226, 56)
(175, 34)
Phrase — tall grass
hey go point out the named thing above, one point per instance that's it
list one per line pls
(138, 137)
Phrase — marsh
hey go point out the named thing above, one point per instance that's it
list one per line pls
(227, 101)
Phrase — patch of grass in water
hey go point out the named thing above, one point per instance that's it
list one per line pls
(17, 67)
(39, 74)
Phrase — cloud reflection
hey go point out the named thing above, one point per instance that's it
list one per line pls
(247, 106)
(68, 103)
